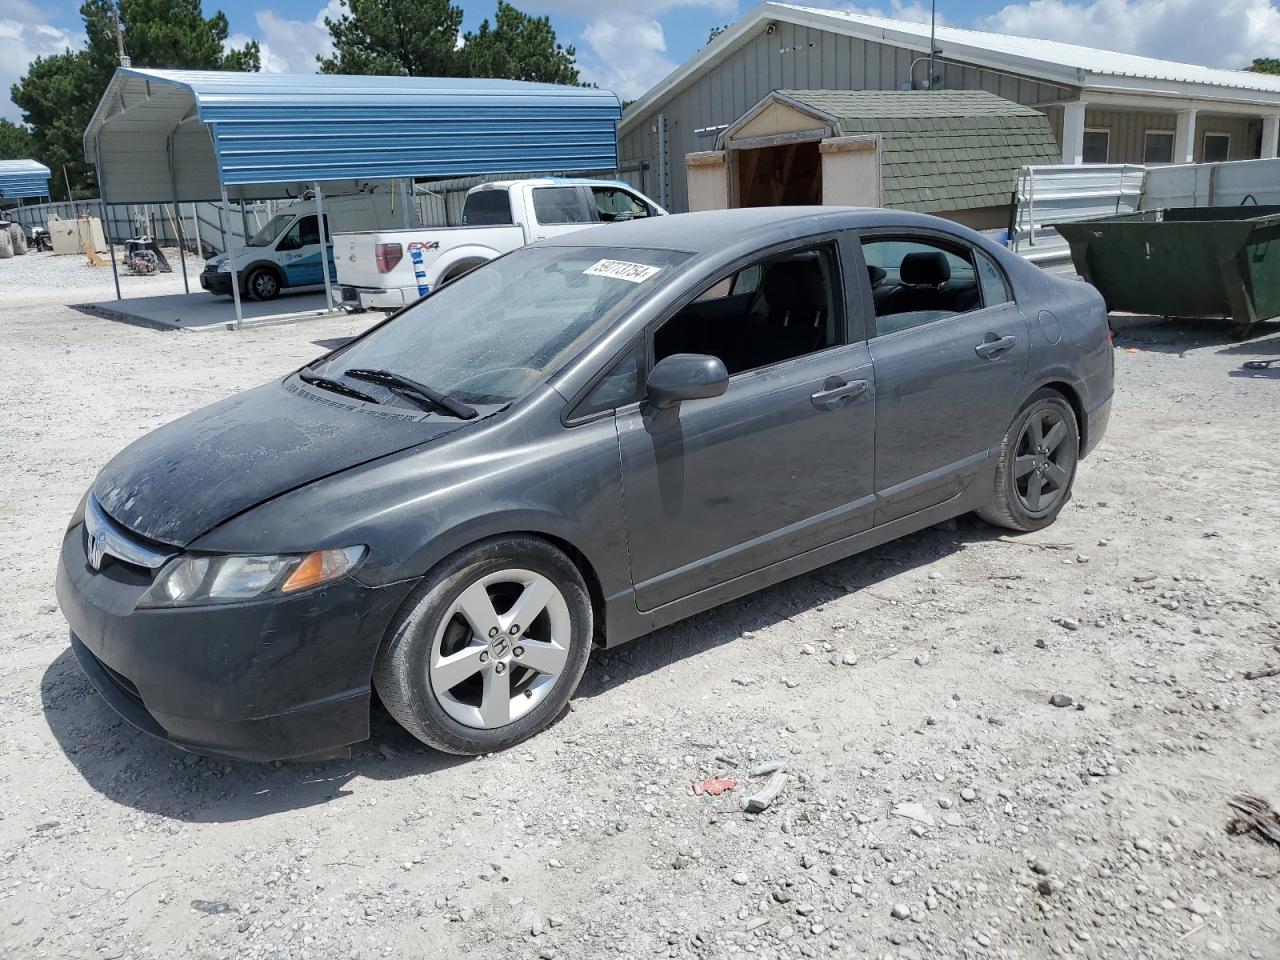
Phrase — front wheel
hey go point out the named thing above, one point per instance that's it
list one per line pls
(1037, 465)
(262, 284)
(489, 647)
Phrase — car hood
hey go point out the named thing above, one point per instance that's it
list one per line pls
(185, 478)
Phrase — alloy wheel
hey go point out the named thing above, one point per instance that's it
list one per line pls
(500, 648)
(265, 285)
(1045, 461)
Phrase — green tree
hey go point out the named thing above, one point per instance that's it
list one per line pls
(1266, 65)
(415, 38)
(60, 92)
(518, 47)
(421, 38)
(15, 141)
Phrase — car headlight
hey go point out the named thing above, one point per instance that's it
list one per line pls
(224, 267)
(200, 579)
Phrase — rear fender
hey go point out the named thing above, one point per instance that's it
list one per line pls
(451, 258)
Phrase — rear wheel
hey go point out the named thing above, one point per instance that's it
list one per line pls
(1037, 465)
(262, 284)
(489, 648)
(6, 244)
(17, 239)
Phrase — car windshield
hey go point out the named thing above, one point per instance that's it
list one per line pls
(487, 337)
(275, 226)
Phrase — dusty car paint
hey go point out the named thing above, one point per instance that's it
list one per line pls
(667, 512)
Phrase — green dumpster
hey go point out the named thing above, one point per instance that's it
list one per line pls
(1184, 261)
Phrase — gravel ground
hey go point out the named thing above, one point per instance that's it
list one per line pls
(935, 804)
(41, 277)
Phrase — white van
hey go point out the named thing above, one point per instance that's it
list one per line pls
(285, 253)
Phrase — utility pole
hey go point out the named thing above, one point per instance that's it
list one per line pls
(933, 46)
(124, 59)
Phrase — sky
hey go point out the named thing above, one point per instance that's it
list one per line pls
(629, 47)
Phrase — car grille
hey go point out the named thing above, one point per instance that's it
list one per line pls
(105, 538)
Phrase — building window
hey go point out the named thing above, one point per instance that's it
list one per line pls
(1217, 147)
(1158, 147)
(1097, 145)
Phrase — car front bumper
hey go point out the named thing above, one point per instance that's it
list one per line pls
(262, 680)
(216, 283)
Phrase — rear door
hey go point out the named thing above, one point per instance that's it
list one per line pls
(559, 209)
(950, 347)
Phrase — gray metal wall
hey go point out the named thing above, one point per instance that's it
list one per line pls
(796, 58)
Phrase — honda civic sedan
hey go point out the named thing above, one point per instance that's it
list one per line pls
(571, 446)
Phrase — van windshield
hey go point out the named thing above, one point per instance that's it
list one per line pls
(492, 334)
(275, 226)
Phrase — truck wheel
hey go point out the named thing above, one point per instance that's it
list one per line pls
(18, 240)
(262, 284)
(6, 244)
(489, 648)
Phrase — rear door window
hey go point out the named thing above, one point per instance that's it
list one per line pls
(560, 205)
(487, 208)
(918, 281)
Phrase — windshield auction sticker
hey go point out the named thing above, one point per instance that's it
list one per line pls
(622, 270)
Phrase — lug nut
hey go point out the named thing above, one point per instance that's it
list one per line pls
(515, 629)
(518, 652)
(493, 632)
(500, 667)
(484, 656)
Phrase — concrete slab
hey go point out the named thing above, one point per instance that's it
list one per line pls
(204, 311)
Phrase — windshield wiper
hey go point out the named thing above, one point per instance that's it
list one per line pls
(335, 386)
(415, 390)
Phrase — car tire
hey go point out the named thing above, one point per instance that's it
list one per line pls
(451, 671)
(1037, 465)
(6, 244)
(262, 284)
(17, 239)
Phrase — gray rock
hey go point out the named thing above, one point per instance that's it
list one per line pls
(741, 878)
(1060, 700)
(211, 906)
(968, 794)
(900, 911)
(922, 659)
(849, 658)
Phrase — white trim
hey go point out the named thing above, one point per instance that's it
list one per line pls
(1204, 144)
(1173, 143)
(1107, 131)
(966, 47)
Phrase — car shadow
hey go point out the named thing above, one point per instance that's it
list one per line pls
(1179, 334)
(138, 771)
(730, 621)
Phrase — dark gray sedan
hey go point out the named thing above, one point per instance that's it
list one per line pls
(573, 445)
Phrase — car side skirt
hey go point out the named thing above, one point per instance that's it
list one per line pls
(624, 628)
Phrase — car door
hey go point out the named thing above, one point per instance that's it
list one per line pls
(778, 464)
(949, 348)
(300, 254)
(615, 204)
(559, 209)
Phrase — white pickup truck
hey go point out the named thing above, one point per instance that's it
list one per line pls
(387, 269)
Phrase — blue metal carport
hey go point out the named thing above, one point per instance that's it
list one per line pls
(23, 178)
(174, 136)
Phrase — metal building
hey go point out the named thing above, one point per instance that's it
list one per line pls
(1104, 107)
(20, 179)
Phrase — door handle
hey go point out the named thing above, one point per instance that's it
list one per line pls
(990, 349)
(835, 391)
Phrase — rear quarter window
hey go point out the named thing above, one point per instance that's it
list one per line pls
(487, 208)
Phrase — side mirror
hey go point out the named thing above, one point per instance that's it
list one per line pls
(686, 376)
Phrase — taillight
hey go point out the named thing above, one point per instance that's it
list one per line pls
(387, 255)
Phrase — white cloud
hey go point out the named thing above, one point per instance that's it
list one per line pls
(290, 46)
(1220, 33)
(625, 53)
(912, 10)
(24, 35)
(591, 8)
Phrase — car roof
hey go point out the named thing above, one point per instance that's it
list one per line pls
(712, 230)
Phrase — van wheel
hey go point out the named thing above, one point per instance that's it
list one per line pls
(262, 284)
(1037, 465)
(489, 648)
